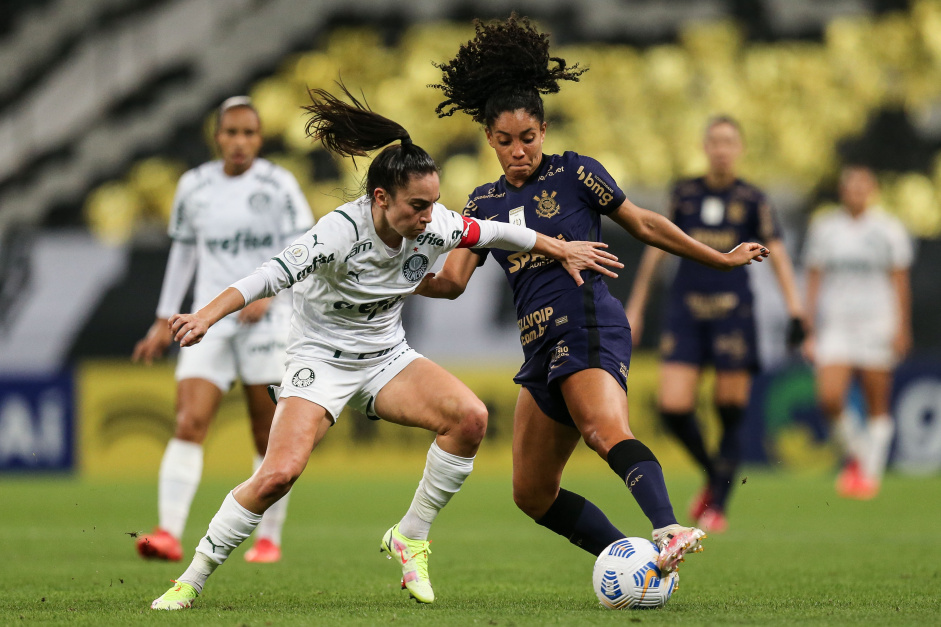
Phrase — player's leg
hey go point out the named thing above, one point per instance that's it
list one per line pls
(732, 389)
(541, 448)
(676, 398)
(833, 382)
(598, 404)
(267, 547)
(197, 401)
(423, 394)
(298, 427)
(880, 429)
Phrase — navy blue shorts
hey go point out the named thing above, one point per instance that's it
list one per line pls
(577, 349)
(728, 342)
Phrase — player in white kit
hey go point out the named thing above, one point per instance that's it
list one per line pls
(351, 274)
(858, 290)
(229, 216)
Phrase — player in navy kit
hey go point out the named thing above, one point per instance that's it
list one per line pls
(576, 340)
(710, 315)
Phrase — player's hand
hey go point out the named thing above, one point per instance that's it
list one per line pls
(796, 333)
(187, 329)
(254, 311)
(745, 253)
(154, 344)
(578, 256)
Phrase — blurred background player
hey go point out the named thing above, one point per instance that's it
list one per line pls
(576, 340)
(229, 217)
(859, 296)
(710, 314)
(354, 271)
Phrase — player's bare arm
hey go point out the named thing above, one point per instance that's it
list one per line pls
(654, 229)
(254, 311)
(640, 292)
(189, 329)
(452, 279)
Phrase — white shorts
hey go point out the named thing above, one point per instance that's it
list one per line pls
(334, 383)
(862, 344)
(255, 355)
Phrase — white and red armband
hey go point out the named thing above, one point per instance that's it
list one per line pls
(490, 234)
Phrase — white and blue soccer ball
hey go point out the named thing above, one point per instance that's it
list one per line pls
(626, 575)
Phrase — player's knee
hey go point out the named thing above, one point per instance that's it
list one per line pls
(472, 424)
(831, 403)
(531, 502)
(191, 427)
(275, 481)
(601, 437)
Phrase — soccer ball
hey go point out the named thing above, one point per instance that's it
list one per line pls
(626, 575)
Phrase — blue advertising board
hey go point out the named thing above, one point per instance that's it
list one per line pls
(37, 423)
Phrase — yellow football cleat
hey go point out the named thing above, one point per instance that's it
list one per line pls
(179, 597)
(413, 556)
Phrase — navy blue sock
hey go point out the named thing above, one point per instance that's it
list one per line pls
(683, 425)
(730, 454)
(574, 517)
(638, 467)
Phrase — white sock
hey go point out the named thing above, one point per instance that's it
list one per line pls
(231, 525)
(849, 435)
(879, 434)
(180, 472)
(273, 520)
(444, 474)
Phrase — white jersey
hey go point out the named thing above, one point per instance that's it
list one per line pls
(349, 287)
(856, 257)
(236, 224)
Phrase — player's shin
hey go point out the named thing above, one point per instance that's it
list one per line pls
(578, 520)
(638, 467)
(730, 454)
(443, 476)
(272, 523)
(683, 425)
(231, 525)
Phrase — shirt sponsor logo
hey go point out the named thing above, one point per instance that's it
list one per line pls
(303, 378)
(297, 255)
(598, 187)
(360, 247)
(546, 206)
(371, 309)
(415, 267)
(430, 239)
(241, 240)
(318, 261)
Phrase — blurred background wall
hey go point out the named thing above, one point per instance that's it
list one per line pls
(105, 103)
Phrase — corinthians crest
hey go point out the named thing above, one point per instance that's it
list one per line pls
(546, 206)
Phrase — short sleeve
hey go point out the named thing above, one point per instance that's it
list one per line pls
(181, 226)
(296, 216)
(767, 227)
(317, 250)
(597, 188)
(814, 248)
(901, 250)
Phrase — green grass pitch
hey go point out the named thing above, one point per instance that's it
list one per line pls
(794, 554)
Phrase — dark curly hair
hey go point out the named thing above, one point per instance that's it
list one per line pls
(505, 67)
(353, 130)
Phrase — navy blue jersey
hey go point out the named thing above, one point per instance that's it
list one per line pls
(721, 219)
(565, 198)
